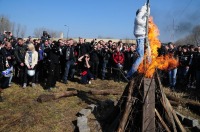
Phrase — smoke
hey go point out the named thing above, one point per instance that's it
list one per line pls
(186, 22)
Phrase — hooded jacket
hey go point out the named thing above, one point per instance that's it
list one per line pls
(140, 22)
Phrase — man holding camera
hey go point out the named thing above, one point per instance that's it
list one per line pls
(45, 36)
(52, 55)
(7, 36)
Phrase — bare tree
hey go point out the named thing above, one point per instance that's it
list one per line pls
(13, 28)
(22, 31)
(17, 31)
(193, 38)
(5, 24)
(54, 34)
(38, 32)
(196, 34)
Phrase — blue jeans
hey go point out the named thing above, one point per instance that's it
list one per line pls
(172, 77)
(140, 51)
(87, 77)
(197, 79)
(104, 67)
(69, 64)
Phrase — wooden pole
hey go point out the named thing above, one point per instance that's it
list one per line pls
(149, 105)
(129, 103)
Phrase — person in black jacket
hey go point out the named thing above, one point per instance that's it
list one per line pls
(82, 48)
(106, 64)
(197, 67)
(19, 53)
(184, 63)
(85, 64)
(94, 58)
(62, 46)
(52, 55)
(45, 36)
(69, 57)
(8, 53)
(130, 57)
(191, 72)
(2, 68)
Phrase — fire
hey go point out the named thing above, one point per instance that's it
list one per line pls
(162, 62)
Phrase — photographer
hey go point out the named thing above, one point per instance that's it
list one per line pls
(94, 54)
(106, 65)
(51, 59)
(45, 36)
(85, 65)
(7, 36)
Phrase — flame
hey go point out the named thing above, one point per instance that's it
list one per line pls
(162, 62)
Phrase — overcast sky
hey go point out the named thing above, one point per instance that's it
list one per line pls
(105, 18)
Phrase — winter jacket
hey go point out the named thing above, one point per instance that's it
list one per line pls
(68, 53)
(2, 61)
(197, 60)
(19, 53)
(184, 59)
(118, 57)
(94, 56)
(10, 53)
(140, 22)
(31, 58)
(52, 54)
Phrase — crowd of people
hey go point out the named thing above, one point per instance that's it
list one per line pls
(43, 61)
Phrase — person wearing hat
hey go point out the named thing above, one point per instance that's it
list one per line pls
(31, 60)
(140, 34)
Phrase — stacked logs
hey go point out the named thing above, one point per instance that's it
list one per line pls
(144, 106)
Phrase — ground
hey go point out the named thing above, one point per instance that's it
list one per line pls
(20, 110)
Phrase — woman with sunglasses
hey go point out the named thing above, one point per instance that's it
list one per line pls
(85, 64)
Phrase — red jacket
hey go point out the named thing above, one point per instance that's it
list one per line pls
(118, 57)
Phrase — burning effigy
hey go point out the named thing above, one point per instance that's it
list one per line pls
(166, 62)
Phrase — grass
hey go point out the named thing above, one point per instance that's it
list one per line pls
(20, 112)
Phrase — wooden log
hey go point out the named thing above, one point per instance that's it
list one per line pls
(192, 105)
(129, 103)
(173, 98)
(166, 101)
(174, 103)
(149, 105)
(162, 121)
(105, 92)
(180, 126)
(170, 116)
(164, 104)
(54, 96)
(113, 120)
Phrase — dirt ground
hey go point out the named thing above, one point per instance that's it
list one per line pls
(20, 111)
